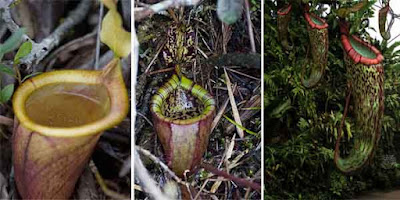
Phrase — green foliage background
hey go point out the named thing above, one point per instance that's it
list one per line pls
(301, 124)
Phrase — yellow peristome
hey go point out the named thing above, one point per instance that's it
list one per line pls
(113, 82)
(186, 84)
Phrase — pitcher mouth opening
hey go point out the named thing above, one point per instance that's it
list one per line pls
(360, 51)
(93, 105)
(62, 105)
(314, 21)
(285, 10)
(158, 101)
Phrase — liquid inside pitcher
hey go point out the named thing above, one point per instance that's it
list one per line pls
(68, 104)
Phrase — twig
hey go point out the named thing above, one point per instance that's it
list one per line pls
(239, 181)
(225, 37)
(40, 50)
(154, 58)
(75, 44)
(143, 12)
(96, 63)
(6, 121)
(3, 187)
(145, 118)
(226, 156)
(246, 196)
(207, 180)
(11, 25)
(137, 187)
(126, 167)
(235, 111)
(243, 74)
(245, 115)
(103, 185)
(147, 183)
(103, 61)
(219, 115)
(143, 110)
(159, 162)
(250, 27)
(162, 70)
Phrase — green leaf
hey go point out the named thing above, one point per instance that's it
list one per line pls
(396, 67)
(30, 75)
(281, 109)
(241, 127)
(344, 12)
(251, 108)
(348, 128)
(12, 42)
(6, 93)
(23, 51)
(6, 70)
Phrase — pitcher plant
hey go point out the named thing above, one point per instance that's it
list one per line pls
(319, 44)
(59, 118)
(182, 114)
(366, 79)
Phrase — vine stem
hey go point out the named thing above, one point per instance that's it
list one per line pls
(342, 124)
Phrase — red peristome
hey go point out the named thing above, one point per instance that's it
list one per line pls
(312, 24)
(367, 61)
(380, 57)
(285, 10)
(346, 43)
(353, 54)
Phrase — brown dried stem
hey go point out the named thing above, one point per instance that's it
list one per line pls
(239, 181)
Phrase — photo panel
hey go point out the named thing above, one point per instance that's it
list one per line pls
(198, 128)
(65, 79)
(331, 99)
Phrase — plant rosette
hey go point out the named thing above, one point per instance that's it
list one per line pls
(366, 77)
(180, 46)
(182, 114)
(60, 116)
